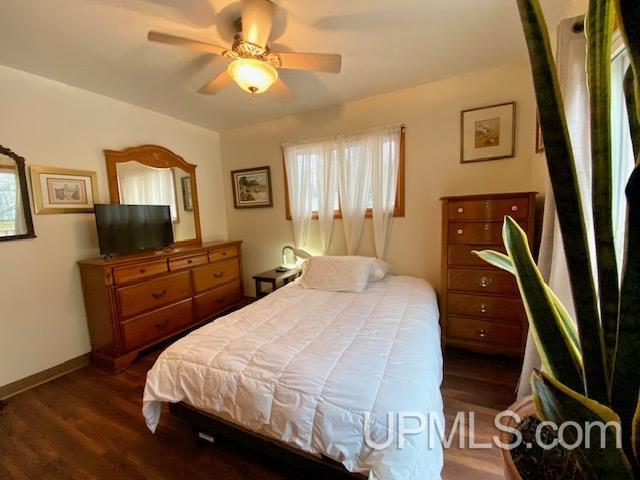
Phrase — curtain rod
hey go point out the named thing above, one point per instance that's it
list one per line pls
(336, 136)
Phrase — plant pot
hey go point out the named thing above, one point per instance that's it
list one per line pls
(524, 408)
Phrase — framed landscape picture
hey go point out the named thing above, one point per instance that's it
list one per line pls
(62, 190)
(252, 187)
(187, 197)
(488, 133)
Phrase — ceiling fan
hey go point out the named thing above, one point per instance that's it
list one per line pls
(253, 64)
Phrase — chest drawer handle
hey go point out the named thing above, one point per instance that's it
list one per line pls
(482, 333)
(159, 295)
(189, 261)
(460, 210)
(483, 308)
(221, 299)
(162, 324)
(485, 281)
(224, 254)
(460, 231)
(143, 270)
(514, 208)
(218, 275)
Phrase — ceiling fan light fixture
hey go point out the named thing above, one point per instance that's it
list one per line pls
(251, 75)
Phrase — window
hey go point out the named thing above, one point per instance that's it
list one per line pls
(622, 149)
(314, 157)
(8, 200)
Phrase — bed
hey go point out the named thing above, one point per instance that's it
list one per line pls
(315, 370)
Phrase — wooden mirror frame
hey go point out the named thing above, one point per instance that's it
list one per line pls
(157, 157)
(24, 193)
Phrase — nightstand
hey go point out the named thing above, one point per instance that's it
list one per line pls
(274, 278)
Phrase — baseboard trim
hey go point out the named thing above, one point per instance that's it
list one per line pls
(44, 376)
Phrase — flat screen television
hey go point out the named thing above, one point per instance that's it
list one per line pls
(131, 228)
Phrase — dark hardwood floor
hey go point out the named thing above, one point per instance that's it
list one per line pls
(88, 424)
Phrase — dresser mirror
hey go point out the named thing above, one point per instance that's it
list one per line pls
(15, 211)
(153, 175)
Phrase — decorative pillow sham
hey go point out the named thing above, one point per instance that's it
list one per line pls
(337, 274)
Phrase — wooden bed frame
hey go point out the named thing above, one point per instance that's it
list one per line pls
(212, 426)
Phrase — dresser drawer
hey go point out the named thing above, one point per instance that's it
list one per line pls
(503, 308)
(186, 262)
(214, 301)
(223, 253)
(489, 210)
(153, 294)
(459, 255)
(482, 281)
(149, 328)
(486, 233)
(215, 274)
(139, 272)
(484, 331)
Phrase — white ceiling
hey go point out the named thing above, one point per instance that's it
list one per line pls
(101, 46)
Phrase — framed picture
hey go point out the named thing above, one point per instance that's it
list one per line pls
(61, 190)
(488, 133)
(252, 187)
(187, 197)
(539, 142)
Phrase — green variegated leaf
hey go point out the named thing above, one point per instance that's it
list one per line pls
(599, 31)
(553, 344)
(557, 403)
(503, 262)
(560, 162)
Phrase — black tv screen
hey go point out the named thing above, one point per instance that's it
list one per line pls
(130, 228)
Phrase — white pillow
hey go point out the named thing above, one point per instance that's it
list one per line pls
(379, 270)
(336, 274)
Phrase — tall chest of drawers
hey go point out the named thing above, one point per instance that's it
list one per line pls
(137, 301)
(481, 309)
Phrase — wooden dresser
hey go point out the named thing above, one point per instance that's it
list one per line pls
(481, 309)
(136, 301)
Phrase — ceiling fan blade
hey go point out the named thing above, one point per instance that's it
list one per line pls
(185, 42)
(217, 84)
(257, 19)
(317, 62)
(281, 91)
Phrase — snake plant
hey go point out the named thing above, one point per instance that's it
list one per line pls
(591, 368)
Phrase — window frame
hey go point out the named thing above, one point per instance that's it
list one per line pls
(399, 208)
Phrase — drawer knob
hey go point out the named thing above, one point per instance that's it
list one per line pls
(514, 208)
(483, 308)
(486, 204)
(482, 333)
(162, 324)
(224, 254)
(485, 281)
(460, 231)
(143, 270)
(218, 275)
(159, 295)
(460, 210)
(189, 261)
(486, 227)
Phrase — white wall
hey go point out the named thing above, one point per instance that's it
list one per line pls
(432, 116)
(42, 318)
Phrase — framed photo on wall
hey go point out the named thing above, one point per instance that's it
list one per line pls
(252, 187)
(488, 133)
(62, 190)
(539, 142)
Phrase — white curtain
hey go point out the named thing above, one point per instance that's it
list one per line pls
(361, 168)
(327, 188)
(143, 185)
(386, 161)
(300, 164)
(355, 168)
(571, 58)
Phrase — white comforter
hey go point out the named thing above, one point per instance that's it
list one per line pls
(304, 366)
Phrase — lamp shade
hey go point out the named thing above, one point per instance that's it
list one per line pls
(251, 75)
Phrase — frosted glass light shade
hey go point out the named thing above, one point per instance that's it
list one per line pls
(253, 76)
